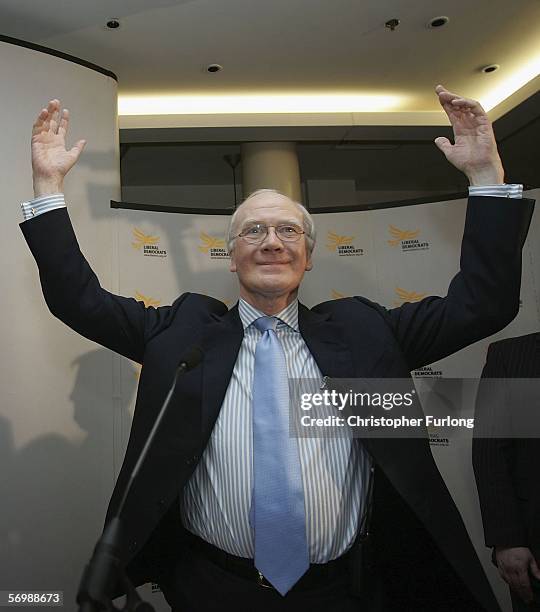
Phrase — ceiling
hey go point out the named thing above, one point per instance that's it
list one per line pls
(295, 47)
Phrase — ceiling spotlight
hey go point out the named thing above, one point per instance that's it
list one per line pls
(211, 68)
(490, 68)
(438, 22)
(392, 24)
(113, 24)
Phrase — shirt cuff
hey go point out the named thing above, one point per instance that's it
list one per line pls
(500, 191)
(42, 204)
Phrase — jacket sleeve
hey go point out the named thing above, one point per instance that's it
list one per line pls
(482, 298)
(74, 295)
(492, 459)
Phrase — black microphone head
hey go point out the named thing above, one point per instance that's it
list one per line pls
(191, 359)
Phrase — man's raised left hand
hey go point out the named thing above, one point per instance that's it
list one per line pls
(474, 151)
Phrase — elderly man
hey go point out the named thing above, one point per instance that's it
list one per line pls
(230, 511)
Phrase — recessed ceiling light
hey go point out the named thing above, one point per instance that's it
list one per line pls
(113, 24)
(510, 81)
(212, 68)
(438, 22)
(490, 68)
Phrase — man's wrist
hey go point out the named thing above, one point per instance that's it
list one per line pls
(44, 187)
(493, 175)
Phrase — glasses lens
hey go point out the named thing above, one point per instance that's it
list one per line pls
(254, 233)
(289, 232)
(257, 232)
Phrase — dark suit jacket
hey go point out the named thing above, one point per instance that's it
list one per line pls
(352, 337)
(507, 469)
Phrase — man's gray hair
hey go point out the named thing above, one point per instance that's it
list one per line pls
(307, 220)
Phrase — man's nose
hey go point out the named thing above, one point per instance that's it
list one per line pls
(272, 240)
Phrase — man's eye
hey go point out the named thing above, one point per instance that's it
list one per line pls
(288, 229)
(254, 230)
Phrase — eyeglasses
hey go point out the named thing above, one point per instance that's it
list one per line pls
(256, 233)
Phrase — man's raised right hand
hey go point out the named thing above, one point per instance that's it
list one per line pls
(51, 161)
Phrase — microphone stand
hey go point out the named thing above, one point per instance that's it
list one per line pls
(106, 567)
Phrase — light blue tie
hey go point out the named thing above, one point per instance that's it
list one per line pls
(277, 511)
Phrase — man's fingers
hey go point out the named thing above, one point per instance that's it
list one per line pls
(53, 105)
(46, 120)
(38, 124)
(471, 106)
(77, 148)
(535, 570)
(458, 102)
(443, 144)
(64, 121)
(446, 96)
(519, 581)
(55, 118)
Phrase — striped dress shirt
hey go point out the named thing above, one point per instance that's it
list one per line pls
(335, 470)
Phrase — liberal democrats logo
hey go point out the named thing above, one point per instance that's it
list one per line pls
(147, 244)
(435, 438)
(408, 239)
(342, 245)
(336, 295)
(427, 372)
(407, 296)
(213, 246)
(147, 301)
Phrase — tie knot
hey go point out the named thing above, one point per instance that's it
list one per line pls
(265, 323)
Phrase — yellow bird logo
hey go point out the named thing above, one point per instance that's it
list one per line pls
(335, 241)
(210, 242)
(142, 239)
(148, 301)
(407, 296)
(399, 235)
(336, 295)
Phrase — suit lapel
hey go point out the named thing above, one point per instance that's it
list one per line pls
(221, 343)
(325, 340)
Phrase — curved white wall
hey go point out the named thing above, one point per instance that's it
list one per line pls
(57, 412)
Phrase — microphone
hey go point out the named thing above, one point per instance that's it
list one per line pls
(105, 567)
(191, 360)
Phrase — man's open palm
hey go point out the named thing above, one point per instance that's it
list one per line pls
(474, 151)
(51, 161)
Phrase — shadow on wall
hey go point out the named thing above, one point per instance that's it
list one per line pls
(54, 490)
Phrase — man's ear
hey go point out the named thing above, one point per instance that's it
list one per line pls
(309, 264)
(232, 263)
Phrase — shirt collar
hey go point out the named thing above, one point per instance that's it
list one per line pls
(288, 315)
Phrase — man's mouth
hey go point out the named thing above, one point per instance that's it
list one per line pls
(273, 263)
